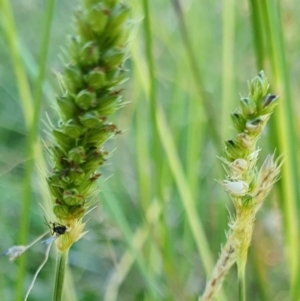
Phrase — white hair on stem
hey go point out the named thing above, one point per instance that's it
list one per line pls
(38, 270)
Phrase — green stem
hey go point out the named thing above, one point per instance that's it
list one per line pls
(228, 61)
(157, 150)
(60, 275)
(9, 27)
(152, 97)
(196, 74)
(242, 282)
(33, 124)
(286, 133)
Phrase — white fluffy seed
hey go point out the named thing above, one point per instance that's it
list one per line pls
(238, 188)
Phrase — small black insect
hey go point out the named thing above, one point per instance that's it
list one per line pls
(56, 228)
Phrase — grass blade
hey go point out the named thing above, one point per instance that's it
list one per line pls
(267, 25)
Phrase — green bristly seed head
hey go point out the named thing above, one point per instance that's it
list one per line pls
(250, 119)
(241, 153)
(95, 69)
(247, 185)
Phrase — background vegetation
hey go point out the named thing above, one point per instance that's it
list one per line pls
(162, 216)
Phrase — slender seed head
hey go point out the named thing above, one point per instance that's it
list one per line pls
(246, 186)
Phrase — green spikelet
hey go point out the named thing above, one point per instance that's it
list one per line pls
(95, 69)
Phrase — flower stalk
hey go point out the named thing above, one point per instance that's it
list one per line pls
(242, 281)
(247, 185)
(60, 275)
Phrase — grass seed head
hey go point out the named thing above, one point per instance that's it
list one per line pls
(95, 55)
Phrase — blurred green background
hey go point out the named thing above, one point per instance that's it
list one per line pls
(162, 216)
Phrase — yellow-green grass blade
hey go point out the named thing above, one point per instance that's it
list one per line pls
(156, 150)
(177, 173)
(9, 27)
(111, 205)
(268, 12)
(196, 74)
(228, 68)
(31, 116)
(128, 259)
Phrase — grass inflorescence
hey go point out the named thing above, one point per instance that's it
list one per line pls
(90, 93)
(247, 185)
(90, 80)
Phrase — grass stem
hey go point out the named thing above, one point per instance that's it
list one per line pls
(195, 71)
(242, 283)
(285, 131)
(152, 94)
(60, 275)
